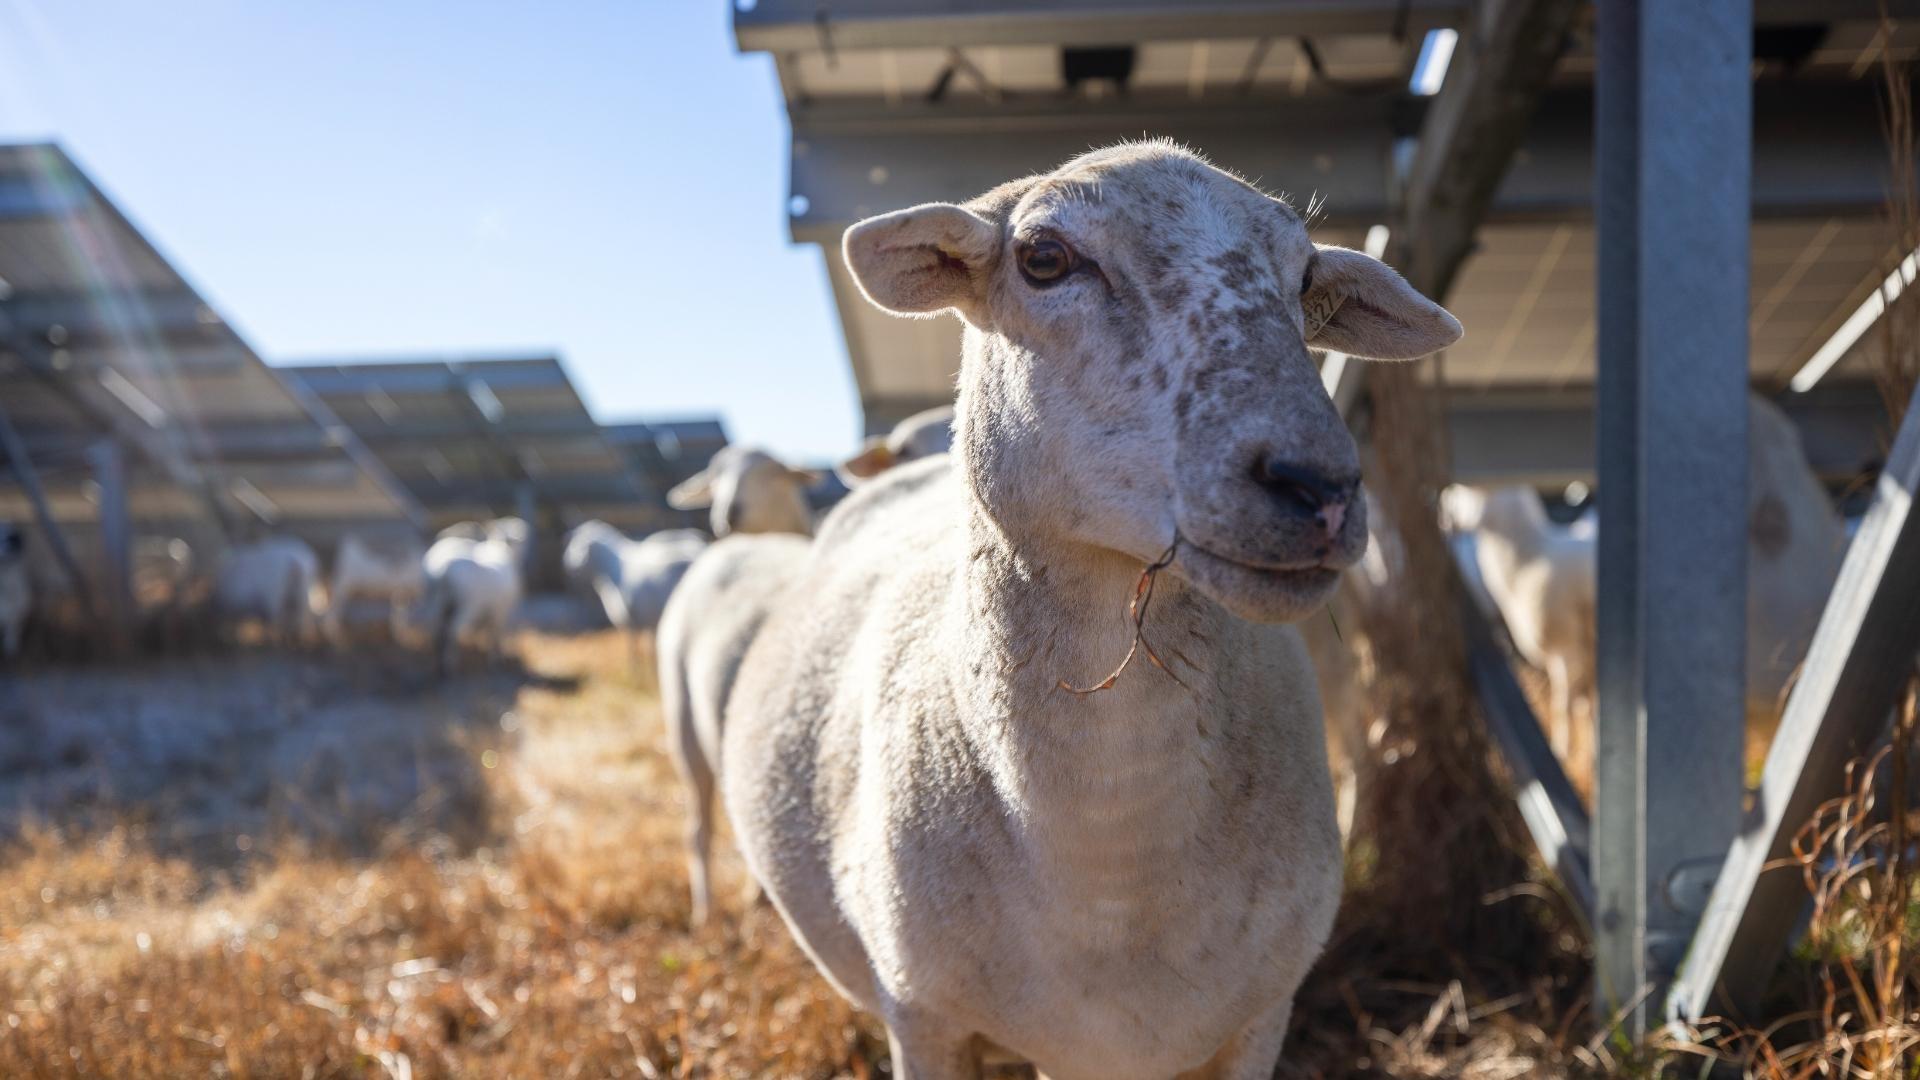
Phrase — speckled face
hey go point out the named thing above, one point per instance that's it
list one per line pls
(1149, 321)
(1137, 370)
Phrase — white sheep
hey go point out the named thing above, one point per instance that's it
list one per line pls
(1541, 577)
(921, 435)
(382, 566)
(977, 833)
(473, 587)
(275, 580)
(631, 578)
(1795, 544)
(704, 633)
(748, 491)
(16, 590)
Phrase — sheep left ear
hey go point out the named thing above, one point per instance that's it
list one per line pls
(806, 477)
(924, 260)
(693, 493)
(1359, 306)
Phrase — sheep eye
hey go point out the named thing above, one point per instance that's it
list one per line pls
(1306, 279)
(1044, 262)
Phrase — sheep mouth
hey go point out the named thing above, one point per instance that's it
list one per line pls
(1305, 571)
(1260, 592)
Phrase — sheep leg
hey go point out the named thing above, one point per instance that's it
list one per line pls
(698, 777)
(397, 604)
(465, 617)
(1560, 680)
(335, 619)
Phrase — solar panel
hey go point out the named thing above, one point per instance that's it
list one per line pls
(104, 342)
(898, 102)
(473, 438)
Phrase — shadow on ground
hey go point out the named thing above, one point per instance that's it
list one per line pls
(219, 756)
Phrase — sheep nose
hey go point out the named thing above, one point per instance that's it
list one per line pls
(1304, 490)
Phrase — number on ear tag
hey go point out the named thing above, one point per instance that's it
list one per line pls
(1319, 307)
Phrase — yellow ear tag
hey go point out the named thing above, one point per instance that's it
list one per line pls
(1319, 307)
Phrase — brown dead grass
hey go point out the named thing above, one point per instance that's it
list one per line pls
(558, 947)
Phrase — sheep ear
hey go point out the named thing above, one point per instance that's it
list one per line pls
(924, 260)
(1359, 306)
(875, 458)
(806, 477)
(693, 493)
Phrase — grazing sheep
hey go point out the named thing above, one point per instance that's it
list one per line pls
(16, 591)
(632, 578)
(921, 435)
(749, 491)
(473, 587)
(704, 633)
(973, 830)
(1541, 577)
(384, 567)
(275, 580)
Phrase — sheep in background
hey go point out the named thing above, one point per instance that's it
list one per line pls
(973, 833)
(1795, 544)
(921, 435)
(384, 567)
(473, 587)
(709, 622)
(16, 591)
(463, 530)
(632, 578)
(711, 618)
(748, 491)
(275, 580)
(1541, 578)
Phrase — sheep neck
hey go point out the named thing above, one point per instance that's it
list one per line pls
(1102, 782)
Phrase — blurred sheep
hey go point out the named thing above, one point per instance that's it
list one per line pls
(381, 567)
(473, 587)
(275, 580)
(921, 435)
(749, 491)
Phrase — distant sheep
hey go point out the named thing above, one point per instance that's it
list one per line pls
(275, 580)
(921, 435)
(473, 587)
(383, 567)
(749, 491)
(1541, 577)
(631, 578)
(16, 590)
(1795, 544)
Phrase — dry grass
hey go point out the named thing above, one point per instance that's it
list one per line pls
(555, 945)
(537, 925)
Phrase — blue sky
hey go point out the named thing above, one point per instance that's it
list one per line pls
(342, 178)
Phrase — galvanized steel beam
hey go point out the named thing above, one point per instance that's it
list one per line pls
(1674, 130)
